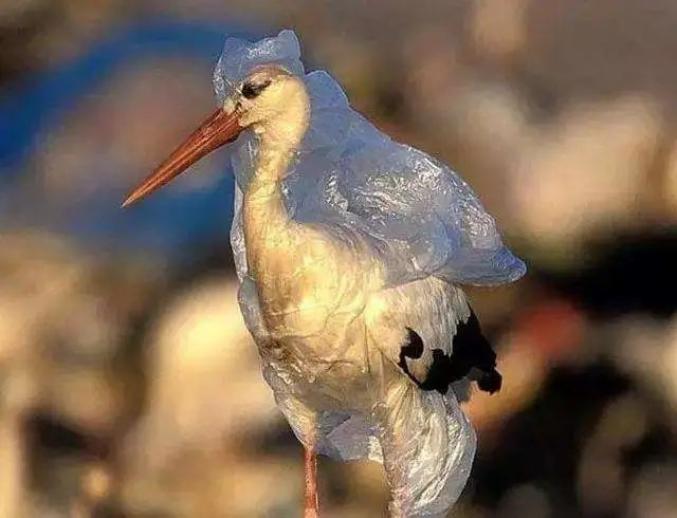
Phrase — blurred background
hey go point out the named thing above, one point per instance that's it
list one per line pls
(128, 384)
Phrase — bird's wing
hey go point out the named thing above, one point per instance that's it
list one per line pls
(428, 329)
(425, 331)
(418, 215)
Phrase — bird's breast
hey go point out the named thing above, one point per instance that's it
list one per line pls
(303, 281)
(312, 285)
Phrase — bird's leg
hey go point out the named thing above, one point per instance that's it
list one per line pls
(311, 508)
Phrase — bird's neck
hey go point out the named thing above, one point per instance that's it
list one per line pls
(265, 216)
(272, 163)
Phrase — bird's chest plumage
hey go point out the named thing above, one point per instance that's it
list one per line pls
(306, 299)
(304, 277)
(311, 294)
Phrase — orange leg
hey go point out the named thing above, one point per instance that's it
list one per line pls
(311, 508)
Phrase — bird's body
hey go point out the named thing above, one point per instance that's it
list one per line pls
(349, 248)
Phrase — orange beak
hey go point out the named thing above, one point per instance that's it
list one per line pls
(219, 129)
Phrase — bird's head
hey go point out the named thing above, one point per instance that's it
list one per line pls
(268, 97)
(270, 100)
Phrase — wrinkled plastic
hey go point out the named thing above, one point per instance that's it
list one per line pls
(422, 223)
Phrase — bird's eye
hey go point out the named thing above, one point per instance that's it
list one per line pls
(251, 90)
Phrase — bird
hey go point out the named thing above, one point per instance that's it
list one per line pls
(351, 251)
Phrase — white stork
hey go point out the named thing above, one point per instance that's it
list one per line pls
(350, 249)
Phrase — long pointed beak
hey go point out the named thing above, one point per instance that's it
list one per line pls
(219, 129)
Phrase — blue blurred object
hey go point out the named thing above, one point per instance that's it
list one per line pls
(32, 107)
(40, 100)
